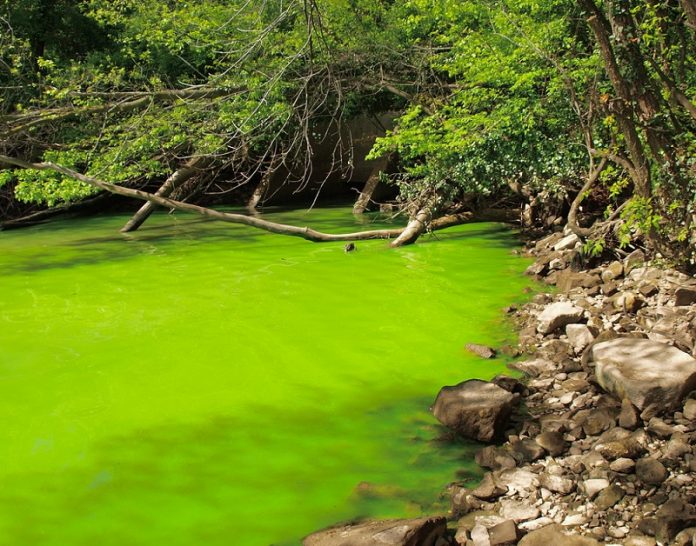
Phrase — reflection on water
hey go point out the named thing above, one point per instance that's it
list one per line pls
(203, 382)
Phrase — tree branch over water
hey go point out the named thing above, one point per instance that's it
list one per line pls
(273, 227)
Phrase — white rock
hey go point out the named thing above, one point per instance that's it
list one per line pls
(594, 486)
(567, 242)
(557, 315)
(579, 336)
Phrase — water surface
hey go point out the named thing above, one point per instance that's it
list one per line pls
(204, 383)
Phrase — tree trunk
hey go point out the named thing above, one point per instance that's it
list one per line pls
(689, 7)
(410, 233)
(640, 172)
(417, 225)
(192, 167)
(261, 190)
(383, 165)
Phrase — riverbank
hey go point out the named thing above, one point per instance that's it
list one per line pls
(596, 443)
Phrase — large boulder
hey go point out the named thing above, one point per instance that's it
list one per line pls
(475, 409)
(554, 536)
(644, 371)
(403, 532)
(558, 315)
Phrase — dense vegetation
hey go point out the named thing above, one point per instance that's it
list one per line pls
(581, 109)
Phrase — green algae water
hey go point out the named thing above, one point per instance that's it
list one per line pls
(206, 383)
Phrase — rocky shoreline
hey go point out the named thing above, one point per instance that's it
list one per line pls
(596, 443)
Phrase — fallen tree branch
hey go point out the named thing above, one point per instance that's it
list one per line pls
(272, 227)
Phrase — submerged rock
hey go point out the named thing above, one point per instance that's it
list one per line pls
(402, 532)
(481, 350)
(644, 371)
(475, 409)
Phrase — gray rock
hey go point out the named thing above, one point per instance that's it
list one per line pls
(608, 497)
(481, 350)
(612, 271)
(639, 540)
(557, 315)
(503, 533)
(553, 535)
(517, 479)
(495, 458)
(489, 488)
(535, 367)
(568, 242)
(687, 537)
(552, 442)
(628, 418)
(404, 532)
(659, 428)
(594, 486)
(579, 336)
(651, 471)
(684, 296)
(644, 371)
(510, 384)
(598, 420)
(622, 465)
(672, 517)
(526, 450)
(518, 511)
(475, 409)
(628, 448)
(633, 260)
(626, 302)
(557, 484)
(690, 409)
(479, 536)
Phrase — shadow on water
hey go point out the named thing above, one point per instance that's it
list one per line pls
(132, 480)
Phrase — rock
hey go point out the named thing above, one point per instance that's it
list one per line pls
(403, 532)
(552, 535)
(495, 458)
(480, 350)
(526, 450)
(644, 371)
(608, 497)
(651, 471)
(557, 484)
(552, 442)
(673, 516)
(568, 280)
(639, 540)
(633, 260)
(475, 409)
(597, 421)
(535, 524)
(690, 409)
(489, 489)
(628, 418)
(628, 448)
(568, 242)
(534, 368)
(518, 511)
(648, 290)
(675, 450)
(510, 384)
(479, 536)
(557, 315)
(594, 486)
(687, 537)
(612, 271)
(684, 296)
(659, 428)
(503, 533)
(579, 336)
(626, 302)
(518, 480)
(622, 465)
